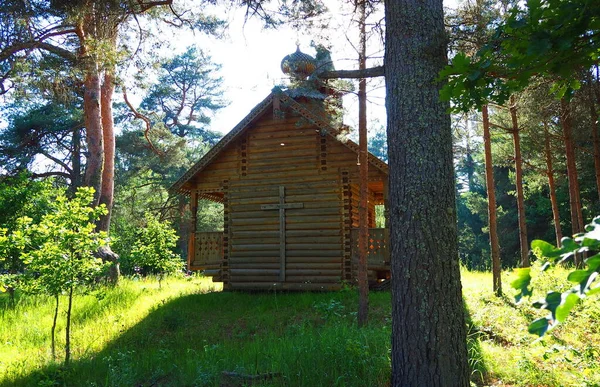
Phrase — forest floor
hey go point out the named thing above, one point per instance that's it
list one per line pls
(187, 333)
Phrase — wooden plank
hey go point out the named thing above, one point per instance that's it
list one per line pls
(308, 253)
(255, 254)
(289, 156)
(292, 233)
(240, 260)
(257, 278)
(270, 181)
(308, 279)
(314, 259)
(281, 206)
(286, 286)
(305, 211)
(314, 272)
(254, 265)
(314, 226)
(314, 266)
(260, 185)
(259, 272)
(281, 134)
(256, 247)
(314, 246)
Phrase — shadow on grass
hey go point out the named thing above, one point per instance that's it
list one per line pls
(477, 364)
(306, 338)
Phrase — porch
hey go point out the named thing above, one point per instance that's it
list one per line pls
(208, 252)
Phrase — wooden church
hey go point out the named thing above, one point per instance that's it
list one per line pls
(289, 184)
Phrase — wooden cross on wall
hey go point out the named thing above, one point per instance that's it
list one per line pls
(281, 206)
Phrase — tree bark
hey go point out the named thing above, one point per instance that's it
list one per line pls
(428, 321)
(491, 195)
(519, 184)
(595, 137)
(363, 227)
(93, 128)
(76, 160)
(574, 198)
(108, 137)
(552, 185)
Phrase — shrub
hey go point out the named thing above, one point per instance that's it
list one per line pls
(153, 249)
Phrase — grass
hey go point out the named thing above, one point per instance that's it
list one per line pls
(187, 334)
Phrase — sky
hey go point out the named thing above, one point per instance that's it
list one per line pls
(251, 56)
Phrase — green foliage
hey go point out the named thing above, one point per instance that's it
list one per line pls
(186, 94)
(551, 39)
(22, 200)
(153, 249)
(62, 245)
(559, 304)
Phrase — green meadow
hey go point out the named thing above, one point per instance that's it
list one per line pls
(189, 333)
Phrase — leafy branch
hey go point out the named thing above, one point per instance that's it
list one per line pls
(559, 305)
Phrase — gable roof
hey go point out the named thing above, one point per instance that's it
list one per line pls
(256, 113)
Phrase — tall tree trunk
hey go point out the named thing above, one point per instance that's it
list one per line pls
(92, 114)
(574, 199)
(595, 137)
(363, 226)
(552, 185)
(491, 195)
(76, 160)
(93, 127)
(519, 184)
(428, 321)
(108, 137)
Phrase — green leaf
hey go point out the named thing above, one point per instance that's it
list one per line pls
(593, 262)
(578, 276)
(563, 310)
(539, 327)
(521, 283)
(545, 249)
(568, 244)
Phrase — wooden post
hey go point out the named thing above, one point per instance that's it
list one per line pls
(386, 217)
(363, 211)
(192, 239)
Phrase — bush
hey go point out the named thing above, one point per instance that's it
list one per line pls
(153, 249)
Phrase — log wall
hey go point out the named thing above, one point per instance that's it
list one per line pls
(319, 179)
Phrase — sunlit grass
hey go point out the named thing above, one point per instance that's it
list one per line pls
(183, 334)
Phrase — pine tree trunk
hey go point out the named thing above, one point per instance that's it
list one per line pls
(76, 161)
(519, 185)
(574, 199)
(94, 140)
(595, 137)
(108, 137)
(428, 321)
(92, 114)
(552, 185)
(363, 227)
(491, 194)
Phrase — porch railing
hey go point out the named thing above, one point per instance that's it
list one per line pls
(378, 257)
(208, 250)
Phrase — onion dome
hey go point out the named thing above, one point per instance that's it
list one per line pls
(298, 65)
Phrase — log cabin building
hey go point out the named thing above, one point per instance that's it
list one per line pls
(289, 184)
